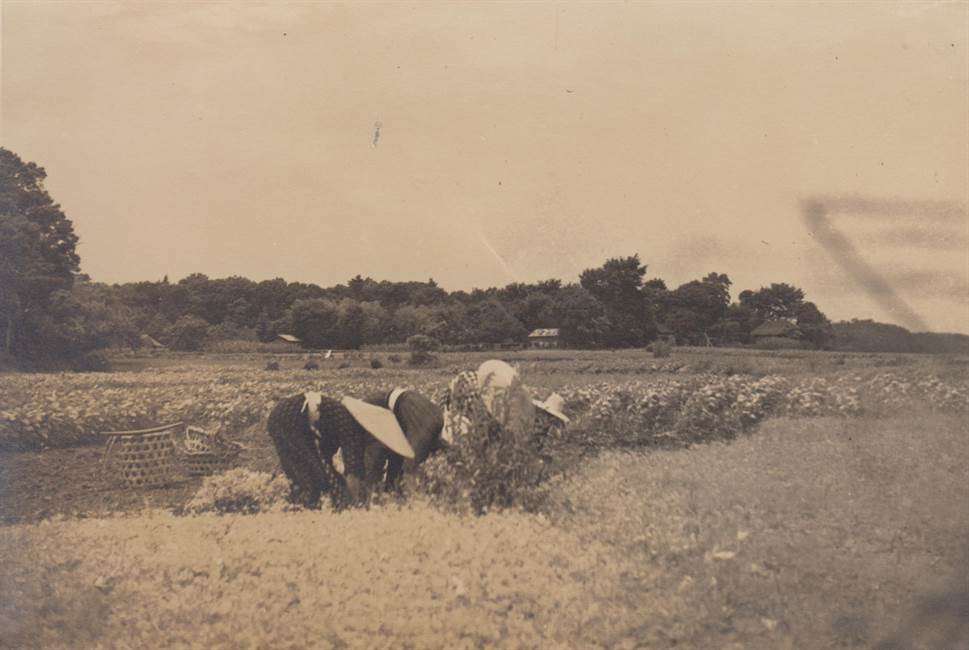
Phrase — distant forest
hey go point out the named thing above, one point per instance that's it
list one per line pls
(611, 306)
(51, 313)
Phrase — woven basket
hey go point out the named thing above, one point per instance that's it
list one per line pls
(143, 458)
(205, 453)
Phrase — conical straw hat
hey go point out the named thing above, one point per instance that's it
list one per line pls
(554, 406)
(381, 424)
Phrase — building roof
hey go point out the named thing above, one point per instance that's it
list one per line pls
(775, 328)
(149, 341)
(542, 333)
(289, 338)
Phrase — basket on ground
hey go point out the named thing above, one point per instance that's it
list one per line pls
(207, 453)
(143, 458)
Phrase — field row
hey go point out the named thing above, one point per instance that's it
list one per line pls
(43, 411)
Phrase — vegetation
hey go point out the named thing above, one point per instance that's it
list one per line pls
(51, 314)
(812, 534)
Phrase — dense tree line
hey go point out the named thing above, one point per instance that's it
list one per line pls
(48, 310)
(610, 307)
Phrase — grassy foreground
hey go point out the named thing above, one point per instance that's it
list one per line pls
(809, 534)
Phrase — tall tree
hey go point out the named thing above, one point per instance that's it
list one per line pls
(37, 253)
(582, 319)
(697, 307)
(617, 285)
(779, 301)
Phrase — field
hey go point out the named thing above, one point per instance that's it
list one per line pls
(712, 499)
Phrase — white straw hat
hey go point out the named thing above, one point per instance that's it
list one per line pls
(503, 394)
(381, 424)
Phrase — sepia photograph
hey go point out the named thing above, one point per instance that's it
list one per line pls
(619, 325)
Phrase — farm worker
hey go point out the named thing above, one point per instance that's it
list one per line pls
(493, 396)
(422, 422)
(308, 430)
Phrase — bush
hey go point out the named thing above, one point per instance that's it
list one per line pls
(394, 358)
(488, 467)
(272, 365)
(421, 358)
(92, 362)
(188, 334)
(344, 364)
(422, 343)
(311, 365)
(376, 363)
(661, 349)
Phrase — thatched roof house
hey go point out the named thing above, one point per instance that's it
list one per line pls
(289, 338)
(149, 342)
(777, 329)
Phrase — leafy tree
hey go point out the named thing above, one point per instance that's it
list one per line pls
(490, 322)
(582, 319)
(617, 284)
(188, 334)
(37, 254)
(737, 324)
(315, 322)
(778, 301)
(697, 307)
(785, 302)
(815, 326)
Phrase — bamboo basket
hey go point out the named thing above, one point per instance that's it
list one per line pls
(142, 458)
(206, 453)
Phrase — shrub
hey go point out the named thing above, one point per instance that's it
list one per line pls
(92, 362)
(394, 358)
(421, 358)
(188, 334)
(422, 343)
(375, 363)
(311, 365)
(661, 349)
(272, 365)
(344, 364)
(488, 466)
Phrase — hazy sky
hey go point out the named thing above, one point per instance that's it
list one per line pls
(516, 141)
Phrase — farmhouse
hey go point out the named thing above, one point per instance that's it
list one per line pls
(149, 342)
(288, 338)
(776, 329)
(544, 338)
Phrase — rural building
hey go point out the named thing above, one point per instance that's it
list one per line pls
(149, 342)
(775, 329)
(288, 338)
(544, 338)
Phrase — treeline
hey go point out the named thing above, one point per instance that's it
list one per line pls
(50, 313)
(870, 336)
(611, 306)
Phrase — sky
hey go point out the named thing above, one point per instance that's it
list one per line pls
(480, 144)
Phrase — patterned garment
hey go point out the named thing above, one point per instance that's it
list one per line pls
(464, 406)
(306, 452)
(421, 421)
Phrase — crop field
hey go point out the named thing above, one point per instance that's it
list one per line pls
(711, 499)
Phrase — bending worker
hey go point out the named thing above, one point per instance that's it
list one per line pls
(308, 429)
